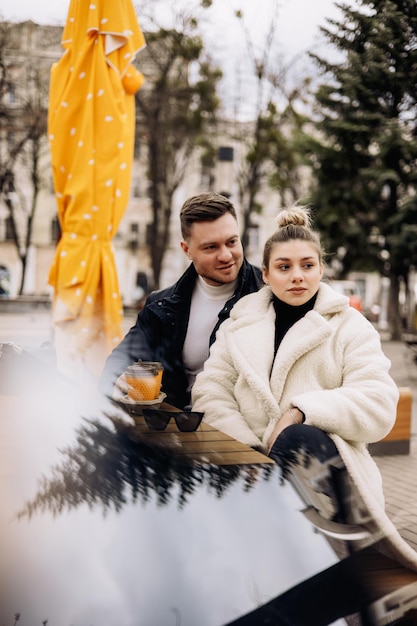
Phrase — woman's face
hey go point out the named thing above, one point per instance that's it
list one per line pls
(294, 271)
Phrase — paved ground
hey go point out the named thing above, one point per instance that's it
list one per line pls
(399, 472)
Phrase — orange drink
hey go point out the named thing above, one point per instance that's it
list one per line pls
(156, 365)
(144, 383)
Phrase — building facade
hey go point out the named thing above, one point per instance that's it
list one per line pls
(29, 52)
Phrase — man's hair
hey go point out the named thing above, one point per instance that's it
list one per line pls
(205, 207)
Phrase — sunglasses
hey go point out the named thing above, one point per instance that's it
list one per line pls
(186, 421)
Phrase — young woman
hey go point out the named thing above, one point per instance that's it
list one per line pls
(296, 353)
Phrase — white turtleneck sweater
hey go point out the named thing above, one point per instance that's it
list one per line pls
(206, 303)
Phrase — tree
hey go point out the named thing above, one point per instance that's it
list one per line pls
(112, 465)
(22, 207)
(24, 123)
(175, 108)
(271, 151)
(364, 155)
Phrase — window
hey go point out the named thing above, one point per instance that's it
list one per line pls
(9, 234)
(225, 153)
(4, 281)
(133, 236)
(55, 230)
(12, 94)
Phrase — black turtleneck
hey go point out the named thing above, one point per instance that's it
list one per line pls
(287, 315)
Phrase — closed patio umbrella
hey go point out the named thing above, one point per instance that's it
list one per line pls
(91, 135)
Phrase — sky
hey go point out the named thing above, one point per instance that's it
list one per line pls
(298, 23)
(297, 31)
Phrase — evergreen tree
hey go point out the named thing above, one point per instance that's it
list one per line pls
(365, 155)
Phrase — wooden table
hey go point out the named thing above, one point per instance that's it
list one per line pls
(206, 445)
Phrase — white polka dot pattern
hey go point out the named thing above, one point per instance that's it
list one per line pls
(91, 132)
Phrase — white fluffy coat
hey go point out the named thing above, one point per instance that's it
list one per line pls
(330, 365)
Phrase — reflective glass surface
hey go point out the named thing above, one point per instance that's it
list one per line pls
(106, 520)
(101, 527)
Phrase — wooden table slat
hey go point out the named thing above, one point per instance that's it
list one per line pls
(229, 458)
(204, 445)
(185, 437)
(219, 446)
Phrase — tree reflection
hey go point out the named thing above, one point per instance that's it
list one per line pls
(110, 467)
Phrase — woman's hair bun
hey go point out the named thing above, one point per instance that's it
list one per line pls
(294, 216)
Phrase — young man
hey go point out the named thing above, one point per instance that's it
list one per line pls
(178, 324)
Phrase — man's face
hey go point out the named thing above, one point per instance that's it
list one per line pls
(215, 249)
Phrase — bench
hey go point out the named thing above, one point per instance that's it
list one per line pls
(398, 439)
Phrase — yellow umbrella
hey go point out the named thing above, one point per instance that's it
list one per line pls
(91, 135)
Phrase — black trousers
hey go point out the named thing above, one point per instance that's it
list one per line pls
(299, 443)
(305, 446)
(347, 589)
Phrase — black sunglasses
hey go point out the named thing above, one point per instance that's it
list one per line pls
(186, 421)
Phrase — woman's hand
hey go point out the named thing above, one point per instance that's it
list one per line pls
(289, 418)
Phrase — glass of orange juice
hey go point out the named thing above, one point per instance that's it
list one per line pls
(144, 382)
